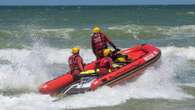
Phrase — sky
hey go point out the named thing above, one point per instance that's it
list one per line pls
(95, 2)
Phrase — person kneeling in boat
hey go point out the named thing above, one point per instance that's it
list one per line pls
(104, 65)
(75, 62)
(99, 42)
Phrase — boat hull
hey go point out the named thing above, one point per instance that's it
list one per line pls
(142, 56)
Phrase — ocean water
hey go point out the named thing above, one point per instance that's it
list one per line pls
(35, 44)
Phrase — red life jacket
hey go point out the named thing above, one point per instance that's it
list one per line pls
(99, 41)
(73, 63)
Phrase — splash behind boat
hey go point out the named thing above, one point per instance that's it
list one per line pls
(142, 56)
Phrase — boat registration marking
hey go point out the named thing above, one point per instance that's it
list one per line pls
(150, 56)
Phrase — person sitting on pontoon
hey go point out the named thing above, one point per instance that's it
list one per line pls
(75, 62)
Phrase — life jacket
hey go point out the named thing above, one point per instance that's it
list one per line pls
(73, 62)
(99, 41)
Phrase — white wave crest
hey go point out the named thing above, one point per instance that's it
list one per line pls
(37, 31)
(191, 13)
(155, 30)
(26, 69)
(187, 84)
(62, 33)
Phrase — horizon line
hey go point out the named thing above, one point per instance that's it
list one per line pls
(111, 5)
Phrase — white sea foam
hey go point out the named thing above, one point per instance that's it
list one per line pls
(29, 101)
(187, 84)
(191, 12)
(185, 29)
(184, 52)
(28, 68)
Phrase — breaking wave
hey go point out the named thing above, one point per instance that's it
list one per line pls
(26, 69)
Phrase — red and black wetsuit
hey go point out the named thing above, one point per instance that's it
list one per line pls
(104, 64)
(76, 64)
(99, 42)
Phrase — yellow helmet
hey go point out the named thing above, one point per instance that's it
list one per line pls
(106, 52)
(96, 30)
(75, 50)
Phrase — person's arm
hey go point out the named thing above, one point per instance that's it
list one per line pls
(92, 45)
(80, 63)
(109, 41)
(69, 64)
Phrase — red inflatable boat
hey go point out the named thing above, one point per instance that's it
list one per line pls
(141, 57)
